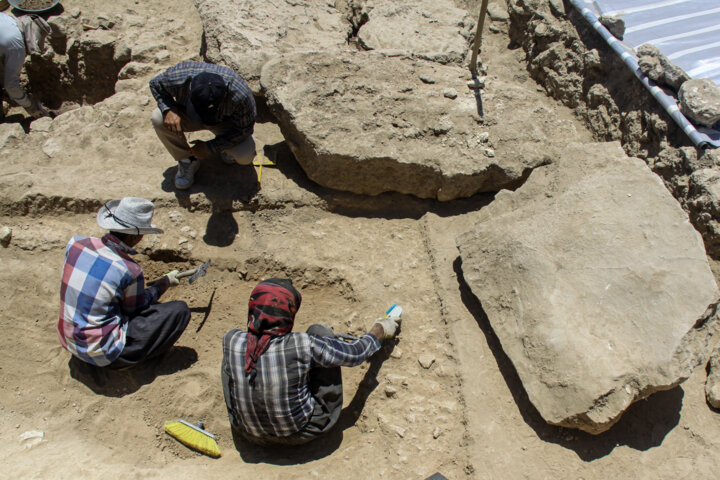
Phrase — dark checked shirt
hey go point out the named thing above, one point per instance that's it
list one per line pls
(279, 403)
(172, 89)
(101, 287)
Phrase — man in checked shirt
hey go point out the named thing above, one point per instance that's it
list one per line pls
(283, 387)
(108, 318)
(194, 96)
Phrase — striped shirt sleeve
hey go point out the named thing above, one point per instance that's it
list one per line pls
(333, 352)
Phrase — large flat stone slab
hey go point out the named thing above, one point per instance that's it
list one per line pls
(595, 283)
(245, 34)
(429, 29)
(368, 123)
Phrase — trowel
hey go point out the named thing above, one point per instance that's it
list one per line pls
(195, 273)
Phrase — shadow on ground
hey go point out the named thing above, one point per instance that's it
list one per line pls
(222, 185)
(114, 383)
(326, 445)
(644, 425)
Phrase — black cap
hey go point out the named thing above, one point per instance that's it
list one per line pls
(207, 91)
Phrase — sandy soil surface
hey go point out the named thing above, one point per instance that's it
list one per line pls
(466, 415)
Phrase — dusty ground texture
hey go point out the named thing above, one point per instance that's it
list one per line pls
(466, 416)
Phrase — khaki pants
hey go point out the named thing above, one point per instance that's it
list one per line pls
(243, 152)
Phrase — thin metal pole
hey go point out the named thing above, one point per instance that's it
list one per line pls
(478, 39)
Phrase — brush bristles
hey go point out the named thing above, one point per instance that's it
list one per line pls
(193, 437)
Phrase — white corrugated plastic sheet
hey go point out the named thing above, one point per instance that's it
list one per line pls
(687, 32)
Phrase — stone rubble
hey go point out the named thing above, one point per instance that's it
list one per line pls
(700, 101)
(712, 386)
(658, 68)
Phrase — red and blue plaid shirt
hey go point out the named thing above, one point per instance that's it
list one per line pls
(101, 288)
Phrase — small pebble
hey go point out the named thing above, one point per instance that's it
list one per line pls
(483, 137)
(399, 430)
(427, 79)
(75, 13)
(489, 152)
(182, 240)
(426, 360)
(396, 353)
(437, 432)
(450, 93)
(5, 236)
(390, 391)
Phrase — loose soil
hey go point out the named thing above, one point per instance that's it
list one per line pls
(36, 5)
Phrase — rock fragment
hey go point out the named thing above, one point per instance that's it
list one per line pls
(426, 360)
(450, 93)
(589, 296)
(497, 12)
(615, 25)
(658, 68)
(712, 386)
(5, 236)
(700, 101)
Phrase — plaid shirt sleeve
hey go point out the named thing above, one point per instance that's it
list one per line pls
(333, 352)
(240, 108)
(136, 297)
(169, 86)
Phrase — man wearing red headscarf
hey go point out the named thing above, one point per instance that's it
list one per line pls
(283, 387)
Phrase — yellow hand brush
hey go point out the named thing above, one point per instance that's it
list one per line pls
(261, 160)
(194, 436)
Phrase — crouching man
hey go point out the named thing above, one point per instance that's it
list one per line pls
(107, 316)
(194, 96)
(282, 387)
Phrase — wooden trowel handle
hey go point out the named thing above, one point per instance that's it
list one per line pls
(186, 274)
(179, 275)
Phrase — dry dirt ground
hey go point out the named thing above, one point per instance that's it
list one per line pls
(465, 416)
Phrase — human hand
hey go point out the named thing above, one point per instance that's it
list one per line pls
(173, 122)
(389, 327)
(199, 149)
(172, 278)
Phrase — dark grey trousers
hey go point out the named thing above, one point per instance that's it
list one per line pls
(152, 332)
(325, 386)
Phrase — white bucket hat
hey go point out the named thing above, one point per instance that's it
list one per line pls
(130, 215)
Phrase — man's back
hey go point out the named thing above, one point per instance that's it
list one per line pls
(278, 401)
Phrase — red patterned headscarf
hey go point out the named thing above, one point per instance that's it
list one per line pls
(271, 313)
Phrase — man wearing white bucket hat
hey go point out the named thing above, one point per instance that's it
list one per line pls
(107, 316)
